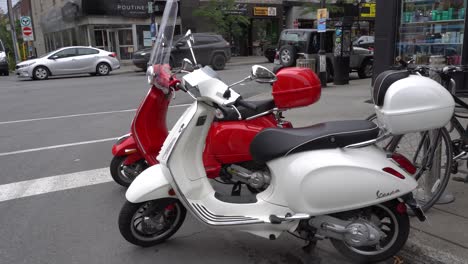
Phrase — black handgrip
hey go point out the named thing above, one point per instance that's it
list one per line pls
(246, 104)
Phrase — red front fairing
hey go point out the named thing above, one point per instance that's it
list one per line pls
(119, 148)
(149, 126)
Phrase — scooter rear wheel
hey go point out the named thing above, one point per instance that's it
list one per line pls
(394, 224)
(150, 223)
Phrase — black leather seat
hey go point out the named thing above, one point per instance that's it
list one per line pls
(384, 81)
(272, 143)
(262, 106)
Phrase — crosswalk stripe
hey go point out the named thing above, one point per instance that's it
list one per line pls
(56, 183)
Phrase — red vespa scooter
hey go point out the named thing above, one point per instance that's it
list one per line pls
(226, 153)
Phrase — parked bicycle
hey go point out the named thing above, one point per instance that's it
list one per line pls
(433, 153)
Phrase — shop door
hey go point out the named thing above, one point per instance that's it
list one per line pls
(113, 42)
(125, 43)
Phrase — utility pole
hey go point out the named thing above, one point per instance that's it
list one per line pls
(13, 31)
(322, 54)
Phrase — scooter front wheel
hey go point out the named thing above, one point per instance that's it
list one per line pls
(124, 175)
(394, 224)
(150, 223)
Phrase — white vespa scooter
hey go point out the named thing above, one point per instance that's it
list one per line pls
(327, 181)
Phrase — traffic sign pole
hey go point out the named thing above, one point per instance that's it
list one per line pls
(13, 32)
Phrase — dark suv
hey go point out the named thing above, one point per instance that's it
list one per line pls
(209, 49)
(294, 43)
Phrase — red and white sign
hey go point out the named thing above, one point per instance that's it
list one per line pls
(26, 27)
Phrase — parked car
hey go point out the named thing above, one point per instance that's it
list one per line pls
(366, 42)
(69, 60)
(209, 49)
(294, 43)
(3, 60)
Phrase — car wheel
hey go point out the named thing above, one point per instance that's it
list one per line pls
(287, 56)
(103, 69)
(366, 70)
(218, 62)
(41, 73)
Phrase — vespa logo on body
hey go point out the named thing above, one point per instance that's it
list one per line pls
(382, 194)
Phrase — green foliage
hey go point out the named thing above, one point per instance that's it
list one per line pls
(222, 22)
(5, 36)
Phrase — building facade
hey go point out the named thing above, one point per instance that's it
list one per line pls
(120, 26)
(123, 26)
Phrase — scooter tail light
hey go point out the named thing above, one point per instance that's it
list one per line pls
(171, 192)
(404, 163)
(286, 124)
(393, 172)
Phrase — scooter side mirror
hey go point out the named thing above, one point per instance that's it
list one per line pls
(187, 65)
(261, 74)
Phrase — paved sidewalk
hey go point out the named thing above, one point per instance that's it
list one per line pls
(441, 239)
(128, 67)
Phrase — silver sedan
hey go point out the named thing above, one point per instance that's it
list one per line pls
(69, 60)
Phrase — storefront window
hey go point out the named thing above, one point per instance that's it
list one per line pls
(432, 31)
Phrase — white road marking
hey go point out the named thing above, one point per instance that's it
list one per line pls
(57, 146)
(79, 115)
(22, 189)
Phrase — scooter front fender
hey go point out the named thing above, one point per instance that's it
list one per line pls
(125, 144)
(151, 184)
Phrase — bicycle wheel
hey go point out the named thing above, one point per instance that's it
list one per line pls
(433, 181)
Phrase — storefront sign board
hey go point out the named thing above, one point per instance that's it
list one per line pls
(264, 11)
(368, 10)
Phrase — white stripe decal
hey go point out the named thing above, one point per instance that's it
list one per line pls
(58, 146)
(22, 189)
(79, 115)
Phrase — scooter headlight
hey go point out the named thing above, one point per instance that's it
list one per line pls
(150, 74)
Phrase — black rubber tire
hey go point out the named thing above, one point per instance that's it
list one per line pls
(130, 209)
(270, 59)
(287, 55)
(402, 236)
(43, 75)
(218, 62)
(6, 73)
(116, 172)
(103, 72)
(364, 72)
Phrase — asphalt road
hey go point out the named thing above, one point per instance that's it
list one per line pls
(56, 135)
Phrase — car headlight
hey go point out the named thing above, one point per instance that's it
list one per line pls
(25, 65)
(3, 59)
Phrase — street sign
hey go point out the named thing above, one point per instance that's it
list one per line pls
(322, 15)
(28, 34)
(26, 28)
(25, 21)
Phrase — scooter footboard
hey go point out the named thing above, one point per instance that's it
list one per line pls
(151, 184)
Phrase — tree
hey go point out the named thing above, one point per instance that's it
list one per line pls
(223, 18)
